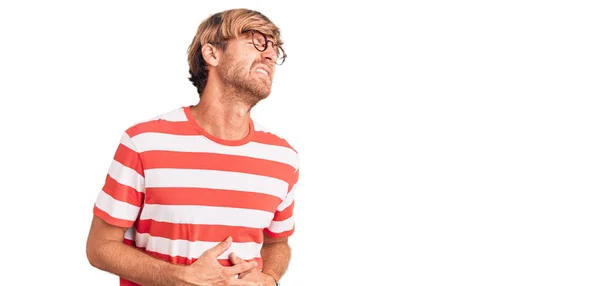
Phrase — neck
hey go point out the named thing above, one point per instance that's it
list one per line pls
(222, 113)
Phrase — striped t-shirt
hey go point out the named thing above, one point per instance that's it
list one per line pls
(180, 190)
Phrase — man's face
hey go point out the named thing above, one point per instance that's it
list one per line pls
(247, 69)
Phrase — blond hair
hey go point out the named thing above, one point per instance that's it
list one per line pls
(217, 29)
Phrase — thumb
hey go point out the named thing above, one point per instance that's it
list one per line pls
(220, 248)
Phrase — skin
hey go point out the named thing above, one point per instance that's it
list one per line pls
(106, 251)
(276, 255)
(224, 111)
(233, 87)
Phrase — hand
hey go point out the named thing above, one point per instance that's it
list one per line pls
(254, 274)
(208, 271)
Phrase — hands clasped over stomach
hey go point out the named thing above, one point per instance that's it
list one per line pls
(207, 271)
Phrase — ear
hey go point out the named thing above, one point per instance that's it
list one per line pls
(210, 54)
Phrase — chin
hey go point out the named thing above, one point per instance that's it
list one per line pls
(260, 91)
(261, 96)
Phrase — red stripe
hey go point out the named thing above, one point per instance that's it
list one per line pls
(270, 139)
(284, 214)
(281, 234)
(186, 128)
(184, 260)
(212, 197)
(129, 158)
(122, 192)
(295, 178)
(111, 220)
(196, 232)
(162, 126)
(123, 282)
(221, 162)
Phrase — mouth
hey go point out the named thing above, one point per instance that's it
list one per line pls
(262, 71)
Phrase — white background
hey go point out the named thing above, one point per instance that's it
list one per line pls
(441, 142)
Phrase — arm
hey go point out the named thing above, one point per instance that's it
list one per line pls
(275, 251)
(117, 208)
(276, 254)
(106, 251)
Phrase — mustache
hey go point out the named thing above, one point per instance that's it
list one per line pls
(263, 62)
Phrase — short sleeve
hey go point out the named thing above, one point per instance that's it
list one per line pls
(121, 198)
(283, 224)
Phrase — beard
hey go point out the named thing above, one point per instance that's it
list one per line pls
(247, 88)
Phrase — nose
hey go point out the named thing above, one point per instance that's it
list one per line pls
(270, 53)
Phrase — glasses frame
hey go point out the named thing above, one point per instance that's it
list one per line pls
(267, 41)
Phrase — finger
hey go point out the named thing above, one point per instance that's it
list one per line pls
(240, 268)
(237, 260)
(220, 248)
(244, 283)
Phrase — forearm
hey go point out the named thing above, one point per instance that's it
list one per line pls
(134, 265)
(276, 258)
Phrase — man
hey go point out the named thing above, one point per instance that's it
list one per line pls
(203, 195)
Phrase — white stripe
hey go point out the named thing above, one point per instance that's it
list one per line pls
(115, 208)
(177, 115)
(288, 200)
(213, 179)
(193, 250)
(150, 141)
(126, 176)
(207, 215)
(126, 140)
(261, 128)
(130, 233)
(281, 226)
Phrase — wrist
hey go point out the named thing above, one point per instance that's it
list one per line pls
(274, 281)
(178, 275)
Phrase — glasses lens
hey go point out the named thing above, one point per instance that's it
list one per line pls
(261, 43)
(280, 56)
(259, 40)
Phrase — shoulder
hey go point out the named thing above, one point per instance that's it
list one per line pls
(157, 122)
(265, 135)
(269, 136)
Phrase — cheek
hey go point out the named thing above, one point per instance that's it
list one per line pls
(246, 58)
(241, 62)
(245, 65)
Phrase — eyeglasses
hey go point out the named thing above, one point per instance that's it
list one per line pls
(261, 43)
